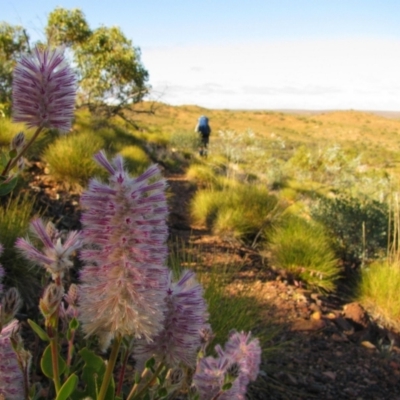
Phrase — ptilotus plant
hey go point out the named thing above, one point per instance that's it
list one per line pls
(43, 97)
(127, 312)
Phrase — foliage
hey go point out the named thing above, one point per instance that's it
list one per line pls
(378, 291)
(13, 41)
(136, 159)
(111, 75)
(358, 227)
(244, 212)
(302, 249)
(184, 140)
(15, 215)
(70, 158)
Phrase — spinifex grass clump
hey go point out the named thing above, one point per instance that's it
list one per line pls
(243, 211)
(70, 158)
(126, 300)
(137, 161)
(303, 250)
(378, 291)
(15, 216)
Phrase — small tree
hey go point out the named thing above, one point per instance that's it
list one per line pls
(13, 41)
(111, 75)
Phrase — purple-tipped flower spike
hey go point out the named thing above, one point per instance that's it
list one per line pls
(124, 280)
(240, 360)
(43, 90)
(56, 253)
(246, 351)
(11, 377)
(211, 375)
(186, 315)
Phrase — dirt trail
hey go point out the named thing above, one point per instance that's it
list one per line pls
(331, 350)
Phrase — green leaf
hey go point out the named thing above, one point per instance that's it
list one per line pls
(92, 376)
(7, 187)
(46, 363)
(226, 386)
(150, 363)
(74, 324)
(67, 388)
(39, 331)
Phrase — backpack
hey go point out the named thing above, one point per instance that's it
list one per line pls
(203, 127)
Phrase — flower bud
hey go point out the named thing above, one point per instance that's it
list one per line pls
(11, 303)
(18, 141)
(51, 299)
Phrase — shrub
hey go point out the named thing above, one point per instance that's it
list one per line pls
(378, 292)
(243, 212)
(184, 140)
(302, 249)
(201, 174)
(358, 227)
(136, 159)
(7, 131)
(70, 158)
(15, 216)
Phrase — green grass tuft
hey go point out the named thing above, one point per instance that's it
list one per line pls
(15, 216)
(378, 291)
(303, 250)
(241, 211)
(70, 158)
(136, 159)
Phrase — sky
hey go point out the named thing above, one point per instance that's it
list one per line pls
(251, 54)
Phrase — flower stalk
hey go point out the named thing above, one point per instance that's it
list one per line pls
(110, 367)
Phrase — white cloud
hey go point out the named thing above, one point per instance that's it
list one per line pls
(317, 74)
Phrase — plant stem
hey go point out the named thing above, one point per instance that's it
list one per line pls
(122, 374)
(54, 358)
(146, 386)
(110, 368)
(11, 164)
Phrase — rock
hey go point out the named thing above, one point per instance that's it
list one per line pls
(316, 315)
(307, 325)
(368, 344)
(356, 313)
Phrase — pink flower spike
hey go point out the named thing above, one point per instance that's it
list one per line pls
(43, 90)
(246, 351)
(11, 377)
(186, 315)
(124, 279)
(56, 253)
(209, 378)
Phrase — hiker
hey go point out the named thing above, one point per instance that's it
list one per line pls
(204, 130)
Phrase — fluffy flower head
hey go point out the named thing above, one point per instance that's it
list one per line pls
(43, 90)
(11, 378)
(125, 278)
(246, 351)
(56, 253)
(186, 314)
